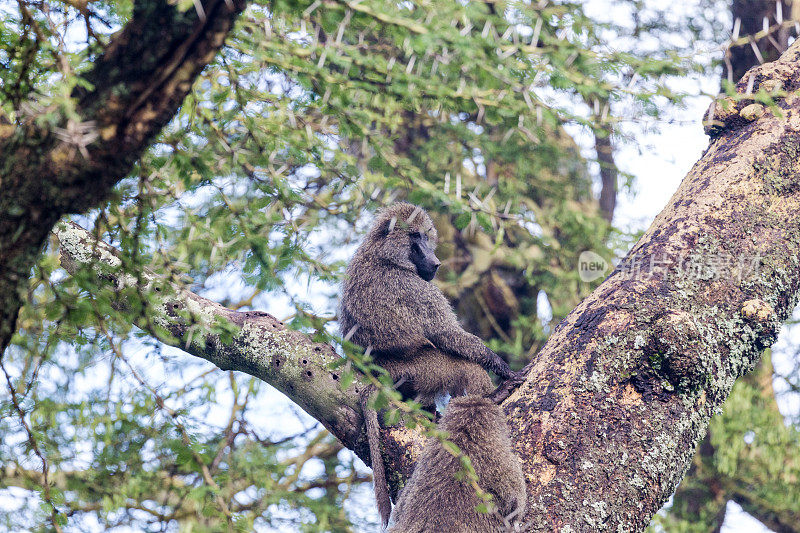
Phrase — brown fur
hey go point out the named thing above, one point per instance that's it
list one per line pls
(423, 377)
(431, 372)
(387, 306)
(435, 501)
(408, 325)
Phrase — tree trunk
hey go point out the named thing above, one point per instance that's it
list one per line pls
(702, 497)
(617, 400)
(609, 173)
(138, 83)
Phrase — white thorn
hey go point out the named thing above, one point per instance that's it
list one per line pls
(756, 51)
(737, 25)
(198, 6)
(351, 332)
(536, 30)
(311, 8)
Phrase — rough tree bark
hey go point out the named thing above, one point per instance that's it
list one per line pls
(615, 403)
(612, 408)
(262, 345)
(137, 83)
(702, 497)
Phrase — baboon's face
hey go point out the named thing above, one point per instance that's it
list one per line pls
(421, 254)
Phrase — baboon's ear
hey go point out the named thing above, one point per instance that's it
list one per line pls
(383, 229)
(387, 226)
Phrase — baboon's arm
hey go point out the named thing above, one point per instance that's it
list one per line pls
(460, 343)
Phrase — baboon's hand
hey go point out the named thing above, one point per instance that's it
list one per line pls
(507, 387)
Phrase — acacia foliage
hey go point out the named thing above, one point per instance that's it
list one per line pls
(313, 114)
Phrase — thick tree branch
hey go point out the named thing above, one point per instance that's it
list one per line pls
(138, 83)
(262, 346)
(702, 497)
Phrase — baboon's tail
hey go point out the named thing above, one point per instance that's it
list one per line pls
(375, 457)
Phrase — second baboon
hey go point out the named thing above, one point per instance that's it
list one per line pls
(390, 307)
(435, 500)
(424, 376)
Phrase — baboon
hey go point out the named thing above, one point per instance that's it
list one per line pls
(429, 373)
(389, 307)
(388, 303)
(423, 376)
(434, 500)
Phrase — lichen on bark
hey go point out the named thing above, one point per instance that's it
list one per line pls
(681, 311)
